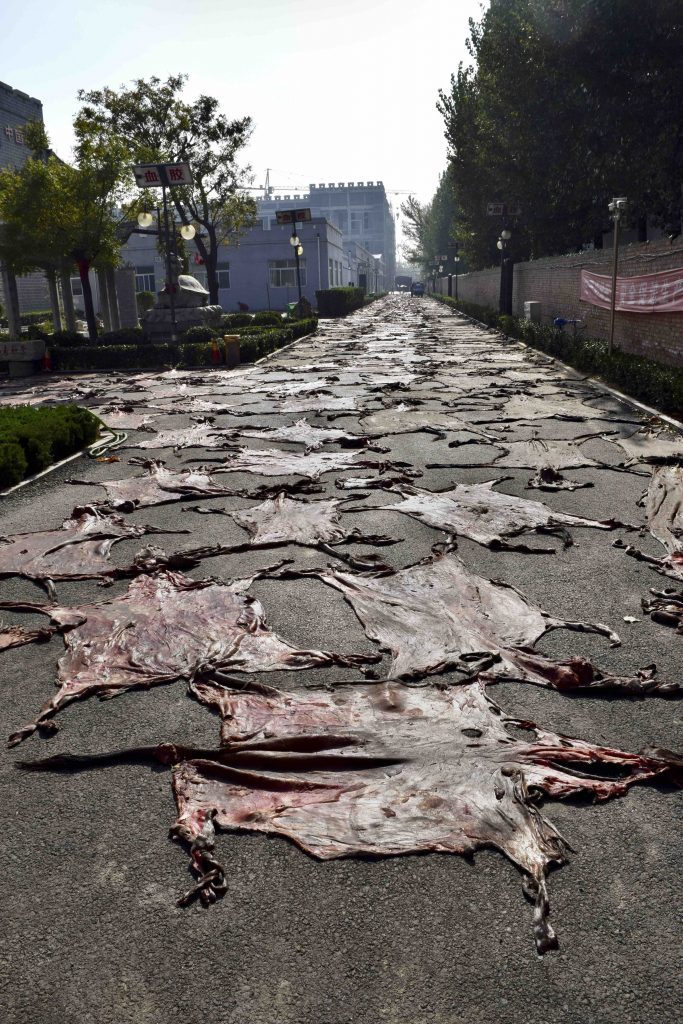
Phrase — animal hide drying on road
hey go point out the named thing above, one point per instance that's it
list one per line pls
(274, 462)
(200, 435)
(124, 417)
(17, 636)
(663, 505)
(404, 419)
(167, 627)
(385, 770)
(486, 516)
(438, 615)
(78, 551)
(284, 520)
(302, 432)
(650, 446)
(533, 454)
(158, 486)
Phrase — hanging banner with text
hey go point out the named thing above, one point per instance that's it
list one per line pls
(649, 293)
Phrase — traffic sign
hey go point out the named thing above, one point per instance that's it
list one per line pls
(503, 210)
(158, 175)
(292, 216)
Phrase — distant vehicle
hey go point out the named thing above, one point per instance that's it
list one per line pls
(403, 282)
(417, 288)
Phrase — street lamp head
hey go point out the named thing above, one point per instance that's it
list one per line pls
(294, 240)
(506, 234)
(188, 231)
(145, 219)
(499, 244)
(299, 250)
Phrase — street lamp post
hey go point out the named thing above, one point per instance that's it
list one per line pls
(505, 297)
(187, 231)
(617, 208)
(295, 242)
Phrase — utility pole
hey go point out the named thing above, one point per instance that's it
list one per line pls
(617, 208)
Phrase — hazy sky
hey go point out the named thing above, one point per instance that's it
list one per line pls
(337, 91)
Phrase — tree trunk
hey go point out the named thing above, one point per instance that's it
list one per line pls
(67, 300)
(83, 268)
(51, 279)
(210, 261)
(9, 286)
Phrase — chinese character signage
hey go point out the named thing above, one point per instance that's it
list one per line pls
(292, 216)
(15, 134)
(158, 175)
(649, 293)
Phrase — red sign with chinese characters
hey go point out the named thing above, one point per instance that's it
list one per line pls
(157, 175)
(648, 293)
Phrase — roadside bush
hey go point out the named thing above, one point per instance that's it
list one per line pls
(67, 339)
(200, 333)
(232, 320)
(256, 343)
(339, 301)
(144, 301)
(123, 336)
(267, 318)
(13, 464)
(32, 439)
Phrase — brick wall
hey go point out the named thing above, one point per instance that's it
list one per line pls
(555, 283)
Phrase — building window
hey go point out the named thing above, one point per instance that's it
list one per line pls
(144, 279)
(330, 273)
(223, 275)
(76, 286)
(366, 221)
(282, 273)
(355, 221)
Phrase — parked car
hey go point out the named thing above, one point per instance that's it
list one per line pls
(417, 288)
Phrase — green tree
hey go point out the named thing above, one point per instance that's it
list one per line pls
(57, 216)
(563, 106)
(155, 124)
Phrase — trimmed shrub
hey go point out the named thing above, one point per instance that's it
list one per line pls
(32, 439)
(144, 301)
(200, 333)
(123, 336)
(256, 343)
(267, 318)
(67, 339)
(339, 301)
(13, 464)
(232, 320)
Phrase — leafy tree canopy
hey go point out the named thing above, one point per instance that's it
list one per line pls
(565, 104)
(154, 123)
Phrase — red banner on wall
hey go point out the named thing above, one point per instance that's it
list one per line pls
(649, 293)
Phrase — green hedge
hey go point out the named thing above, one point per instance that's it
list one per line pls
(147, 356)
(32, 439)
(268, 318)
(650, 382)
(232, 320)
(339, 301)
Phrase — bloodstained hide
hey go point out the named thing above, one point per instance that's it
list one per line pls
(438, 616)
(663, 505)
(17, 636)
(486, 516)
(388, 770)
(166, 627)
(202, 434)
(79, 550)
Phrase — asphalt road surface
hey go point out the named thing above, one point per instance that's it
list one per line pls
(90, 928)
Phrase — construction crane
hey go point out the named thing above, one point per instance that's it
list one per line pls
(267, 189)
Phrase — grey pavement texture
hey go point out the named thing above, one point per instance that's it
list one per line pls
(90, 931)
